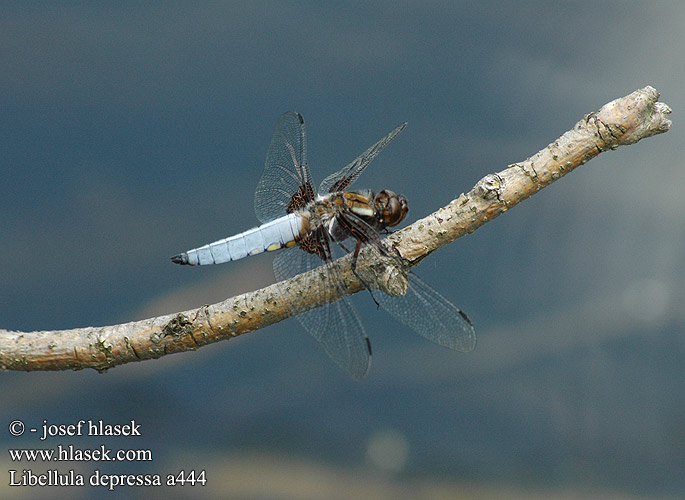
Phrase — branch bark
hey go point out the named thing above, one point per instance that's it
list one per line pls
(621, 122)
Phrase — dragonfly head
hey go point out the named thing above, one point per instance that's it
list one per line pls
(391, 208)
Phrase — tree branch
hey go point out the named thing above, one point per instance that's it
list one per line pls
(621, 122)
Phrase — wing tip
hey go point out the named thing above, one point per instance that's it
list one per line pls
(294, 113)
(361, 375)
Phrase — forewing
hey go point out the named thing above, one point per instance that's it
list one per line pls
(430, 314)
(343, 178)
(285, 181)
(335, 325)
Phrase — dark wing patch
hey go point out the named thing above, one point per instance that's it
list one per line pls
(304, 194)
(317, 243)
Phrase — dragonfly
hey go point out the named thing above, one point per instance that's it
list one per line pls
(311, 230)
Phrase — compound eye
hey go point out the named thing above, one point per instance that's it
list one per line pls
(393, 207)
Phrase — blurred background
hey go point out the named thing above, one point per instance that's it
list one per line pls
(131, 132)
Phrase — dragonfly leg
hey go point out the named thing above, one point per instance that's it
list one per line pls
(357, 248)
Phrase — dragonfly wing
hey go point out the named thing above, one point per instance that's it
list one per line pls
(335, 325)
(285, 183)
(431, 315)
(343, 178)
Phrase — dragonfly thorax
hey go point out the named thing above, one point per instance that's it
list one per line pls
(380, 211)
(346, 214)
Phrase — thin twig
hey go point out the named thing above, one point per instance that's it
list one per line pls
(618, 123)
